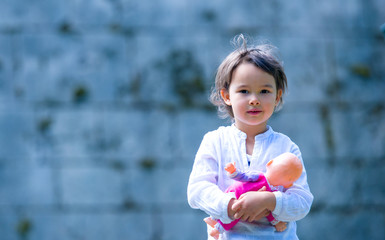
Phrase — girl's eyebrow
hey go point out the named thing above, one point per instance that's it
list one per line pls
(268, 86)
(242, 86)
(263, 86)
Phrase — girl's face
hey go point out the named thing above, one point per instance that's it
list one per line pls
(253, 97)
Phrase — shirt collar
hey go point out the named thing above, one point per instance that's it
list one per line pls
(259, 137)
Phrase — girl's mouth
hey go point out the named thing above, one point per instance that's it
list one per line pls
(254, 112)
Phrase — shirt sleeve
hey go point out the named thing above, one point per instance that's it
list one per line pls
(294, 203)
(202, 190)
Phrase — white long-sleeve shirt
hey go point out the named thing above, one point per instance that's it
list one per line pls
(209, 180)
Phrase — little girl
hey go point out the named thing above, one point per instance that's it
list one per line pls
(249, 86)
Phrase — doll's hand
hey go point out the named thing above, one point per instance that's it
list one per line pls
(230, 168)
(213, 231)
(280, 227)
(210, 222)
(252, 206)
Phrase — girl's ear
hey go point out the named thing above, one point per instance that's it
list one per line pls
(279, 95)
(225, 96)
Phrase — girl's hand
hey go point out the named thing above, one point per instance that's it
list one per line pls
(252, 206)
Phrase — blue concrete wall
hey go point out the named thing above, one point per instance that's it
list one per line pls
(98, 132)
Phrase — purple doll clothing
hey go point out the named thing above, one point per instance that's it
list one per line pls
(246, 182)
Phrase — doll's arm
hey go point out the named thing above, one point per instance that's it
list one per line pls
(238, 175)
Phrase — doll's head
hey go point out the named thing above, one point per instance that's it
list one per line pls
(283, 170)
(262, 56)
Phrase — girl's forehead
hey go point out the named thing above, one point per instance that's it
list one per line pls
(252, 76)
(246, 69)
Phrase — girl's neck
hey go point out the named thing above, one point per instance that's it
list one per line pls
(250, 145)
(252, 131)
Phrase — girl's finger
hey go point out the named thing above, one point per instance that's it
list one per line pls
(240, 214)
(237, 215)
(242, 196)
(251, 219)
(237, 205)
(245, 218)
(262, 189)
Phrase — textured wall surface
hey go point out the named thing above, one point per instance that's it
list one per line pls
(103, 105)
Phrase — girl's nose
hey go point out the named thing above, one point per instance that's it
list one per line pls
(254, 100)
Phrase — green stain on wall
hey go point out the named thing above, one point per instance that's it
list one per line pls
(328, 132)
(148, 163)
(186, 76)
(80, 94)
(209, 15)
(66, 28)
(24, 227)
(44, 125)
(361, 70)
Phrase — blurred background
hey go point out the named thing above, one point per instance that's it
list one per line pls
(103, 105)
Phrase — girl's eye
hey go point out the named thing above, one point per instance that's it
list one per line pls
(265, 91)
(244, 91)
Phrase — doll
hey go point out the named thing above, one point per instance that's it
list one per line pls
(283, 170)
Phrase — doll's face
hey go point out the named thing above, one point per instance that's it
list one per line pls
(283, 170)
